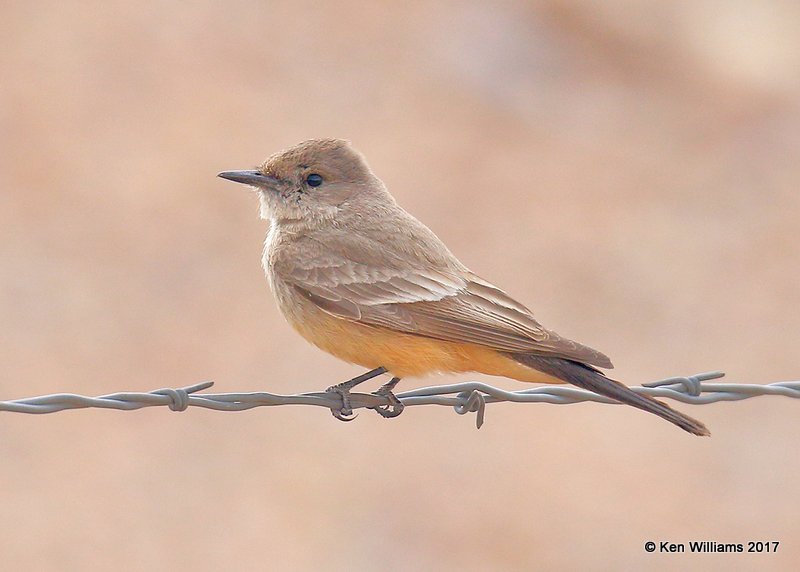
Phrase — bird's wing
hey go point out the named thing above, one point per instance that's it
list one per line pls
(449, 305)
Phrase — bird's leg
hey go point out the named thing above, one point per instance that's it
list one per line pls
(343, 389)
(395, 407)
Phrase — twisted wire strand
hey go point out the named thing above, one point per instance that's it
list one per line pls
(463, 397)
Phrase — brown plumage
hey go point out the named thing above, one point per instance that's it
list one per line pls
(362, 279)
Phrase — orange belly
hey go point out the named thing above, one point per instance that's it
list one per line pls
(405, 355)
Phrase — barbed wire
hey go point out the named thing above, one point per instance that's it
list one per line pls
(463, 397)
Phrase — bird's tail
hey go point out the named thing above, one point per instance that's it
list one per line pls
(586, 377)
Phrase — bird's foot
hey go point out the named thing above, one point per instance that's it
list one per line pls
(395, 406)
(345, 412)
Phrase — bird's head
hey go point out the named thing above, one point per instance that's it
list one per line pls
(315, 181)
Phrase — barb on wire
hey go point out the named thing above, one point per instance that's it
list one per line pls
(463, 397)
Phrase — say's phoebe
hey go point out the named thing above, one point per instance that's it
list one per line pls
(362, 279)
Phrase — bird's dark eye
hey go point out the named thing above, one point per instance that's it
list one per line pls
(314, 180)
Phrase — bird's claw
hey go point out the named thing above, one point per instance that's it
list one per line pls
(389, 410)
(393, 408)
(345, 415)
(345, 412)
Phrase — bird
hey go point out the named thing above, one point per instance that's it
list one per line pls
(362, 279)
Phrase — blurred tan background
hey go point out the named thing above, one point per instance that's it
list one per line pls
(630, 170)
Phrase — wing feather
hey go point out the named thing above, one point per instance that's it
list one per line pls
(453, 305)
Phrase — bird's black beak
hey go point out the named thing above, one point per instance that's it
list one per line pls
(254, 178)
